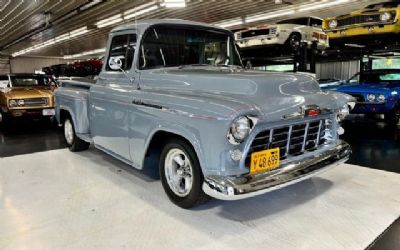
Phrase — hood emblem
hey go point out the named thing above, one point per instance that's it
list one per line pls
(304, 111)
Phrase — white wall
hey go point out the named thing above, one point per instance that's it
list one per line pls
(30, 64)
(4, 65)
(337, 70)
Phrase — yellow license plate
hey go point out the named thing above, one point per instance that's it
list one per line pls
(266, 160)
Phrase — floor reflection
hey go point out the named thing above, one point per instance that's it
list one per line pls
(374, 143)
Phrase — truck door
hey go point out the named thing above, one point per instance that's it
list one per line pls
(111, 98)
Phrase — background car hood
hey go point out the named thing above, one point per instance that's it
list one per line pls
(238, 91)
(27, 92)
(368, 87)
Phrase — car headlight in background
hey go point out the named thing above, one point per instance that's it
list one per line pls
(381, 98)
(371, 97)
(332, 24)
(16, 102)
(386, 16)
(12, 103)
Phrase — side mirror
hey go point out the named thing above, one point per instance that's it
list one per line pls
(115, 63)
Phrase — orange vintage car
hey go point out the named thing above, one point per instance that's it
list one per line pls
(26, 95)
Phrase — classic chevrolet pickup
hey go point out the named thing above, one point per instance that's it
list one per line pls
(175, 93)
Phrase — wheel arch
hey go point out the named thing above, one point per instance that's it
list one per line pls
(158, 140)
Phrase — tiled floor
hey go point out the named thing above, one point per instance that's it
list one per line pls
(37, 199)
(63, 200)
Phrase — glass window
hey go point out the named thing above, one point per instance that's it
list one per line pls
(123, 47)
(390, 77)
(298, 21)
(3, 82)
(281, 68)
(30, 81)
(374, 77)
(171, 47)
(315, 22)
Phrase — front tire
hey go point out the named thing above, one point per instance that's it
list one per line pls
(293, 42)
(75, 144)
(181, 175)
(393, 117)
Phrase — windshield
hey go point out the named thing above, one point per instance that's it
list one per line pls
(29, 81)
(383, 5)
(171, 47)
(376, 77)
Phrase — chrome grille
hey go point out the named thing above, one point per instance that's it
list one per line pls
(255, 33)
(292, 139)
(36, 102)
(362, 19)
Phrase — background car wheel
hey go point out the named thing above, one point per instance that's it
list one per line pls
(5, 121)
(293, 42)
(74, 143)
(393, 117)
(181, 175)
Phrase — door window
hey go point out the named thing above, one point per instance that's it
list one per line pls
(123, 48)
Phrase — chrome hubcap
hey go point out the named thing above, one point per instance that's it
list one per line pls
(178, 172)
(68, 132)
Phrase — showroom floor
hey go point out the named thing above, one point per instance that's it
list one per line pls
(95, 202)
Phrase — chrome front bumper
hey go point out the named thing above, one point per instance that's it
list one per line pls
(235, 188)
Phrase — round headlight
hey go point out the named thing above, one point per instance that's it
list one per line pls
(240, 128)
(371, 97)
(332, 24)
(381, 98)
(343, 112)
(385, 16)
(21, 102)
(12, 103)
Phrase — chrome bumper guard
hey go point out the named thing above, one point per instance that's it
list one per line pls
(235, 188)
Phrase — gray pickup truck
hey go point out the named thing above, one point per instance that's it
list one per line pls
(174, 95)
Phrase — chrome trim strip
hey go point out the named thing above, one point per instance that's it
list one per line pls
(303, 147)
(319, 134)
(235, 188)
(289, 137)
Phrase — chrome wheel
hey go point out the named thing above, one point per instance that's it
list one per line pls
(68, 132)
(178, 172)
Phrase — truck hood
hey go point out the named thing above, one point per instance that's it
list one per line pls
(237, 91)
(27, 92)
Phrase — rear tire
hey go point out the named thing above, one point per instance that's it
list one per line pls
(75, 144)
(181, 175)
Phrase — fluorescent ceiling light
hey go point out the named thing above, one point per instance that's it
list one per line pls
(322, 4)
(140, 7)
(270, 15)
(109, 21)
(78, 32)
(230, 23)
(139, 12)
(58, 39)
(174, 3)
(86, 53)
(90, 4)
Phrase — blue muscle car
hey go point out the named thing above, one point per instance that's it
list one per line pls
(376, 92)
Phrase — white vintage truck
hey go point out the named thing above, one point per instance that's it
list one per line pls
(289, 33)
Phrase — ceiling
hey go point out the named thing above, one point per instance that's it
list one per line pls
(26, 23)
